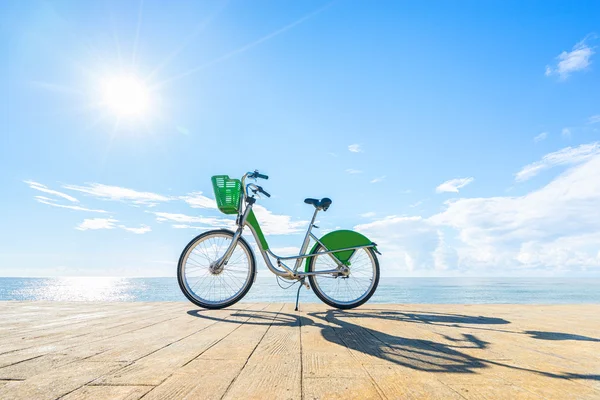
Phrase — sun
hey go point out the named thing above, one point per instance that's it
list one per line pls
(126, 95)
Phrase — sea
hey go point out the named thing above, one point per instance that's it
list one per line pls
(265, 289)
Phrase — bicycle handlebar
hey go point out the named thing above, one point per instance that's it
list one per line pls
(256, 174)
(255, 188)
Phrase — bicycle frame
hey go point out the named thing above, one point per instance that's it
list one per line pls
(242, 221)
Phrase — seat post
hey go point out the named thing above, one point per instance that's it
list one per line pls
(314, 217)
(306, 239)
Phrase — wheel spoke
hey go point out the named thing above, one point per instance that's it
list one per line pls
(214, 288)
(350, 289)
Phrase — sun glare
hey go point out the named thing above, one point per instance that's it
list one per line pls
(126, 96)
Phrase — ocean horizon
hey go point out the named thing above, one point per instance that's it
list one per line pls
(265, 289)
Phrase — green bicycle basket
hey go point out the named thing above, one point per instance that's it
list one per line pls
(227, 193)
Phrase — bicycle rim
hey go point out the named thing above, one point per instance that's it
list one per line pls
(350, 291)
(212, 289)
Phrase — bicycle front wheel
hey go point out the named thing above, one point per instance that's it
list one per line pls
(350, 291)
(210, 288)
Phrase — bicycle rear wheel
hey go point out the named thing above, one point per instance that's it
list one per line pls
(350, 291)
(215, 289)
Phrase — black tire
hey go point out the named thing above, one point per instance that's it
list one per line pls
(331, 302)
(181, 264)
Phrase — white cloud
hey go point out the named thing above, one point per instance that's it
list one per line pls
(579, 58)
(416, 204)
(554, 230)
(197, 200)
(277, 224)
(594, 119)
(540, 137)
(139, 231)
(45, 189)
(286, 251)
(190, 219)
(566, 156)
(50, 202)
(410, 245)
(453, 185)
(369, 214)
(566, 132)
(355, 148)
(186, 226)
(555, 227)
(116, 193)
(353, 171)
(378, 179)
(97, 223)
(109, 223)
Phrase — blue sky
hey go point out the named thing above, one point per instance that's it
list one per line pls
(461, 136)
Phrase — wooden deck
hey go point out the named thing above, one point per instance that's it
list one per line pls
(269, 351)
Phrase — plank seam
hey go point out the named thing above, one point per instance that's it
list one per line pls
(33, 330)
(433, 347)
(379, 390)
(251, 353)
(163, 347)
(88, 333)
(205, 350)
(85, 384)
(301, 362)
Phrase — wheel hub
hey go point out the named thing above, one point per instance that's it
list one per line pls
(215, 269)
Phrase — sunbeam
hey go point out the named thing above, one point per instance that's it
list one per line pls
(199, 28)
(137, 33)
(246, 47)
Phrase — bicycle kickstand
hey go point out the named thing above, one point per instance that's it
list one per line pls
(298, 293)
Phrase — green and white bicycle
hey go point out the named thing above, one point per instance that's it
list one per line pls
(218, 267)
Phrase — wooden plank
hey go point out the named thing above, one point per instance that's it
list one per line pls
(200, 379)
(43, 335)
(35, 366)
(52, 324)
(156, 367)
(245, 339)
(493, 392)
(339, 389)
(324, 355)
(108, 393)
(57, 382)
(273, 370)
(210, 375)
(82, 346)
(153, 337)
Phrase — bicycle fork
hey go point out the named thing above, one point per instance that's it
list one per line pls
(218, 265)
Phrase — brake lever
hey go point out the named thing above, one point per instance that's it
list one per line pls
(263, 191)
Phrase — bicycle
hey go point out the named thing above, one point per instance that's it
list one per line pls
(217, 268)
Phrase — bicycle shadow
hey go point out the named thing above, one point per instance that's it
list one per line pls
(447, 356)
(560, 336)
(418, 354)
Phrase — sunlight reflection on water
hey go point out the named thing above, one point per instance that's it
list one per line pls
(390, 290)
(80, 289)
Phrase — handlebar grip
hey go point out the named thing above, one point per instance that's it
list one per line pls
(261, 176)
(260, 189)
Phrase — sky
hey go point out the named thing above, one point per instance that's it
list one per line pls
(462, 137)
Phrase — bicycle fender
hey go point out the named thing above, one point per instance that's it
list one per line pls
(341, 239)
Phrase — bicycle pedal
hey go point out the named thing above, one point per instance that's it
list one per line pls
(307, 285)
